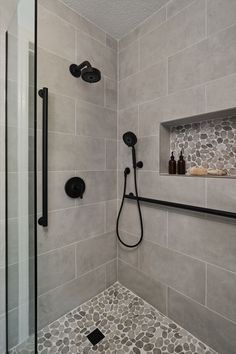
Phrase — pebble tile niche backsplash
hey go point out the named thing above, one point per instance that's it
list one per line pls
(210, 144)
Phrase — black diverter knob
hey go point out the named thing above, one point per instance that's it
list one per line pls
(75, 187)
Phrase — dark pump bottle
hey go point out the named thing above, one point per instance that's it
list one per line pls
(181, 170)
(172, 165)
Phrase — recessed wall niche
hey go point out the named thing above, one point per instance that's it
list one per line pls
(207, 140)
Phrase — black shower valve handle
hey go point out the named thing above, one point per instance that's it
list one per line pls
(127, 171)
(139, 164)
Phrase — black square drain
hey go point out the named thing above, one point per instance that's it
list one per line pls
(95, 337)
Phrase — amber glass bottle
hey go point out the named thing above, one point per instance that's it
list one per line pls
(181, 170)
(172, 164)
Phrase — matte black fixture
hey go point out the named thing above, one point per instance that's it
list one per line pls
(43, 220)
(75, 187)
(130, 140)
(226, 214)
(86, 71)
(95, 337)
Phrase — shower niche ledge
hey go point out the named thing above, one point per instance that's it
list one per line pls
(208, 141)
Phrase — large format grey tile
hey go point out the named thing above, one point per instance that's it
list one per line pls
(94, 252)
(148, 152)
(111, 213)
(74, 19)
(214, 330)
(14, 273)
(128, 121)
(129, 60)
(178, 189)
(143, 86)
(221, 289)
(181, 31)
(210, 59)
(150, 290)
(12, 148)
(175, 6)
(212, 240)
(221, 94)
(152, 22)
(55, 34)
(90, 154)
(111, 42)
(111, 273)
(221, 194)
(61, 114)
(69, 152)
(13, 195)
(61, 152)
(57, 198)
(13, 240)
(52, 305)
(94, 121)
(12, 112)
(176, 270)
(111, 155)
(220, 14)
(181, 104)
(100, 56)
(56, 268)
(54, 74)
(60, 233)
(13, 329)
(111, 94)
(126, 254)
(100, 186)
(2, 333)
(124, 157)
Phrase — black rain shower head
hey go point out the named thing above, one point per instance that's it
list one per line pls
(130, 139)
(86, 71)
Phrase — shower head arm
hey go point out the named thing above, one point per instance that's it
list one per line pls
(84, 64)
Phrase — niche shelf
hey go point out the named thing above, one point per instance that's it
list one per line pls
(207, 140)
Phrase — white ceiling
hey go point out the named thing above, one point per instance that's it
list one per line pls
(116, 17)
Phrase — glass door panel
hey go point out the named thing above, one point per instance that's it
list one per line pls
(21, 180)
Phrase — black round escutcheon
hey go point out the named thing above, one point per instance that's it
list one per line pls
(75, 187)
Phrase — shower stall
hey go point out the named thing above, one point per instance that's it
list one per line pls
(105, 251)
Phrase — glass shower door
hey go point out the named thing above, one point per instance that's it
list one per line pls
(21, 263)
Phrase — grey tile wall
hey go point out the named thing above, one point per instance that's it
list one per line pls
(188, 48)
(77, 252)
(207, 325)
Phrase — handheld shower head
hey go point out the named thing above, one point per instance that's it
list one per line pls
(130, 139)
(86, 71)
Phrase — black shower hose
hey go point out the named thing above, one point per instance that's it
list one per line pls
(139, 211)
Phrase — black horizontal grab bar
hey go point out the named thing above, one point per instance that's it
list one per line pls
(223, 213)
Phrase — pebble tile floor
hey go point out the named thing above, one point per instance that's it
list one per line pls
(129, 324)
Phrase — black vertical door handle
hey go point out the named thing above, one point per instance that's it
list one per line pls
(43, 220)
